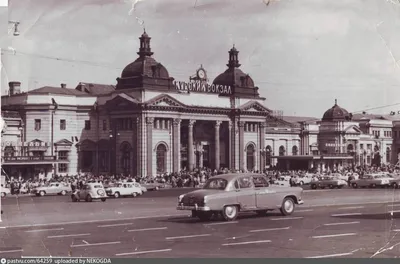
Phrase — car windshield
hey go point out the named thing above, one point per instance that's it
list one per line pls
(216, 183)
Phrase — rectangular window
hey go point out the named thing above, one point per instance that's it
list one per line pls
(63, 124)
(38, 124)
(104, 125)
(62, 167)
(87, 124)
(63, 155)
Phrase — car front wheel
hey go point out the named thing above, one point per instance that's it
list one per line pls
(395, 185)
(116, 195)
(42, 193)
(355, 186)
(103, 199)
(230, 212)
(134, 194)
(3, 194)
(287, 206)
(63, 193)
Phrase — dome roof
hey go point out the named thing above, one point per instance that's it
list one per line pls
(336, 113)
(146, 66)
(241, 79)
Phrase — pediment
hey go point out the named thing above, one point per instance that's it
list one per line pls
(352, 130)
(63, 142)
(165, 100)
(122, 101)
(254, 106)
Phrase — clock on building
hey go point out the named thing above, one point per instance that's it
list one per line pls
(201, 73)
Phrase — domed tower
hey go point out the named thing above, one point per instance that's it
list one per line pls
(242, 84)
(332, 130)
(145, 72)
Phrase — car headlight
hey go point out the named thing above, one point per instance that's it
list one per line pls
(180, 198)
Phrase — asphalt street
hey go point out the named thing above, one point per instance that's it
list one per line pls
(332, 223)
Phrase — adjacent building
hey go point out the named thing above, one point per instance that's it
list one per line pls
(150, 123)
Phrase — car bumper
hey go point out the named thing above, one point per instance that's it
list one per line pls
(193, 208)
(300, 202)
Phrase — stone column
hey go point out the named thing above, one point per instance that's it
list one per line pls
(135, 147)
(200, 153)
(149, 138)
(176, 144)
(262, 146)
(241, 144)
(217, 146)
(190, 145)
(231, 149)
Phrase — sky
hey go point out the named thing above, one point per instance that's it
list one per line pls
(302, 54)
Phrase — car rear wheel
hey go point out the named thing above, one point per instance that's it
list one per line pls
(134, 194)
(395, 185)
(42, 193)
(103, 199)
(3, 194)
(88, 198)
(230, 212)
(204, 216)
(331, 186)
(116, 195)
(355, 186)
(287, 206)
(63, 193)
(314, 186)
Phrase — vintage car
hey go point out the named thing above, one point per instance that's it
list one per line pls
(229, 194)
(53, 188)
(138, 185)
(152, 185)
(394, 180)
(303, 179)
(4, 191)
(89, 192)
(281, 181)
(371, 180)
(328, 182)
(124, 189)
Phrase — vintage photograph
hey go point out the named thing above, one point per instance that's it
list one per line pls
(200, 129)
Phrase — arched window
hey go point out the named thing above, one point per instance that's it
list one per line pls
(126, 157)
(268, 154)
(282, 151)
(388, 155)
(250, 150)
(9, 151)
(295, 151)
(350, 149)
(161, 158)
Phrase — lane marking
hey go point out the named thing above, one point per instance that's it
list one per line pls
(336, 235)
(97, 244)
(305, 210)
(124, 224)
(333, 255)
(43, 230)
(222, 223)
(342, 223)
(394, 211)
(286, 218)
(72, 235)
(341, 204)
(11, 251)
(148, 229)
(247, 243)
(143, 252)
(270, 229)
(351, 207)
(349, 214)
(178, 237)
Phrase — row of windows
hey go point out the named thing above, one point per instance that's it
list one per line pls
(250, 127)
(162, 123)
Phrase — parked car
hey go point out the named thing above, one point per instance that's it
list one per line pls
(138, 185)
(152, 185)
(394, 180)
(281, 181)
(371, 180)
(230, 194)
(124, 189)
(328, 182)
(303, 180)
(89, 192)
(4, 191)
(61, 188)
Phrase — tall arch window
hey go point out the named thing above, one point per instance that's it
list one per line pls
(282, 151)
(295, 151)
(250, 151)
(126, 157)
(9, 151)
(268, 153)
(350, 149)
(388, 155)
(161, 158)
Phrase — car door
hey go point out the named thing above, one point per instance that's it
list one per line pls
(264, 195)
(245, 194)
(52, 189)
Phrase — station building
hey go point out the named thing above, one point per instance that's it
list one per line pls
(149, 123)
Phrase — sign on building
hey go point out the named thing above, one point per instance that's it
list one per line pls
(201, 87)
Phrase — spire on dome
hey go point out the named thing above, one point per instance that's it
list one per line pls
(144, 49)
(335, 101)
(233, 58)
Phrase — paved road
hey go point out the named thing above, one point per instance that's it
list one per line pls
(357, 231)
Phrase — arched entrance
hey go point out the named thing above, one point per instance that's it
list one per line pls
(282, 151)
(161, 158)
(388, 155)
(126, 157)
(268, 154)
(250, 152)
(9, 151)
(295, 151)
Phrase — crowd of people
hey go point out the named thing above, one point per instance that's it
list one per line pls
(184, 178)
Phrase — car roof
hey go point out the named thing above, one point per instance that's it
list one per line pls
(233, 176)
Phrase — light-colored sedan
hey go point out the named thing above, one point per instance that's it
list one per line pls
(53, 188)
(124, 189)
(89, 192)
(4, 191)
(229, 194)
(371, 180)
(328, 182)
